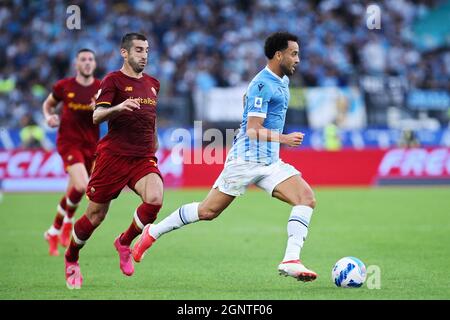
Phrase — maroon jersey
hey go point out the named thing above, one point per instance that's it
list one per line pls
(130, 133)
(76, 128)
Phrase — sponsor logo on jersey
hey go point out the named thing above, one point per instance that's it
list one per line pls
(260, 86)
(148, 101)
(79, 106)
(129, 89)
(71, 95)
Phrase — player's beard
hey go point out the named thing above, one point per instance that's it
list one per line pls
(85, 74)
(287, 70)
(135, 65)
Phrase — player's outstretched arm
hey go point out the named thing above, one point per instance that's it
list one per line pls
(48, 108)
(256, 130)
(102, 114)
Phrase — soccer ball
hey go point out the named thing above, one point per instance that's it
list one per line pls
(349, 272)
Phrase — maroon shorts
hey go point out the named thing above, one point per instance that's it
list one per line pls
(111, 173)
(72, 155)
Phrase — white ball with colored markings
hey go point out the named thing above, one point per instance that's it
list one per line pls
(349, 272)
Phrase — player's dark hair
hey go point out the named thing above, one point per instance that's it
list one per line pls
(85, 50)
(278, 41)
(127, 40)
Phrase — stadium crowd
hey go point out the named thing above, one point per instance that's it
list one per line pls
(202, 44)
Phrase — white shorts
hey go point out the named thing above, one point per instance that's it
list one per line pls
(238, 174)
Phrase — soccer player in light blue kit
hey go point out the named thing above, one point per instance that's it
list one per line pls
(254, 159)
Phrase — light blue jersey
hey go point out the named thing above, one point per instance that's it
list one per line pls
(267, 97)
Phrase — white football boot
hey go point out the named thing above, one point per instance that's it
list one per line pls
(296, 269)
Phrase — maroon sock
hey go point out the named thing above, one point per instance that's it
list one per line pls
(74, 197)
(146, 214)
(57, 223)
(83, 229)
(71, 211)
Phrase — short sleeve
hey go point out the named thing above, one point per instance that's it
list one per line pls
(105, 95)
(58, 90)
(157, 86)
(153, 83)
(258, 97)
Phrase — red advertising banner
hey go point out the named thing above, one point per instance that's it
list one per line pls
(350, 167)
(38, 170)
(415, 166)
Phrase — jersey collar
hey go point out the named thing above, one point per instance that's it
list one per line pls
(273, 73)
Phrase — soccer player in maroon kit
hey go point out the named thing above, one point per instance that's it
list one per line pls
(76, 141)
(125, 156)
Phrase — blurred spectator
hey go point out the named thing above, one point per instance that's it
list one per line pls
(332, 138)
(205, 43)
(31, 135)
(408, 139)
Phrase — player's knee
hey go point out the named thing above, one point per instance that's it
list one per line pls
(80, 187)
(309, 200)
(155, 199)
(97, 216)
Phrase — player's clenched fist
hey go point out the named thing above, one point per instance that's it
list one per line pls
(129, 104)
(293, 139)
(52, 120)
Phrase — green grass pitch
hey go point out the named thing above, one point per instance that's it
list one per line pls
(403, 231)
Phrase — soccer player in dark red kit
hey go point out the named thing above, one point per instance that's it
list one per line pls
(125, 156)
(76, 141)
